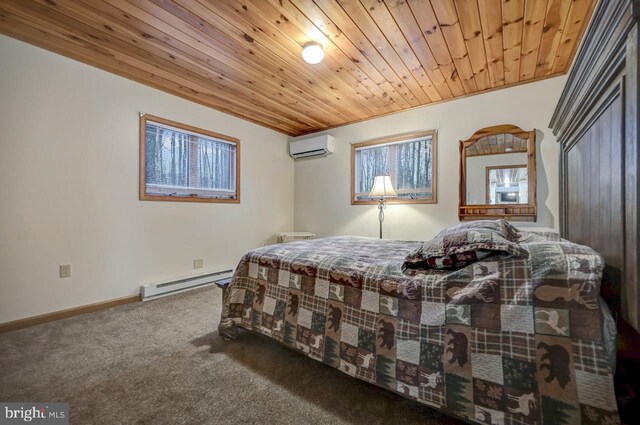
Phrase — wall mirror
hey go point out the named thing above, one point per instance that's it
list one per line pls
(498, 174)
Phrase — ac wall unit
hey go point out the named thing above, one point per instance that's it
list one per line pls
(314, 146)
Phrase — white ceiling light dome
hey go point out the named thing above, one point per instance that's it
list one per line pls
(312, 52)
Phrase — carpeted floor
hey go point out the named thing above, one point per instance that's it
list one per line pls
(162, 362)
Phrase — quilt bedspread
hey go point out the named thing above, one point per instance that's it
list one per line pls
(501, 341)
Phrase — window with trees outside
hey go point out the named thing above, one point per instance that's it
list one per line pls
(183, 163)
(409, 159)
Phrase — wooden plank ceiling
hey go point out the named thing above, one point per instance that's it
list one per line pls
(497, 144)
(243, 56)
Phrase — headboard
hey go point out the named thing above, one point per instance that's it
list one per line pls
(595, 123)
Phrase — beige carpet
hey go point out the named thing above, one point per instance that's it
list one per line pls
(162, 362)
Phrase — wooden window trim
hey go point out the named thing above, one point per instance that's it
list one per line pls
(392, 139)
(143, 164)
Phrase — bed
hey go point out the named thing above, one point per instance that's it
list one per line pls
(502, 340)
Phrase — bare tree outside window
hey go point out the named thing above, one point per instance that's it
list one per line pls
(184, 163)
(410, 161)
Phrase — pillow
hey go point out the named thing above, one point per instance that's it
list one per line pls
(501, 226)
(460, 248)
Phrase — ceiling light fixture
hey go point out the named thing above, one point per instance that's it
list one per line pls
(312, 52)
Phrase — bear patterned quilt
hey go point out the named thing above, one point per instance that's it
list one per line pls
(501, 341)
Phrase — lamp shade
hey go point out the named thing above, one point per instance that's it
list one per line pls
(382, 188)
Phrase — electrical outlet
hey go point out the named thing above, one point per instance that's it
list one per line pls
(65, 270)
(264, 243)
(198, 263)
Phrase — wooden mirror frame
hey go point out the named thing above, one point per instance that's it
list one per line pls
(516, 212)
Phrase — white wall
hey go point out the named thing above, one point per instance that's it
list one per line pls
(69, 193)
(322, 185)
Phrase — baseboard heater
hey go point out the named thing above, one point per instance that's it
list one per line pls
(157, 290)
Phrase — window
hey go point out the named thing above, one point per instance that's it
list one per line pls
(182, 163)
(409, 159)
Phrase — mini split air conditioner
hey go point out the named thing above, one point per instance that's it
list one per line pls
(315, 146)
